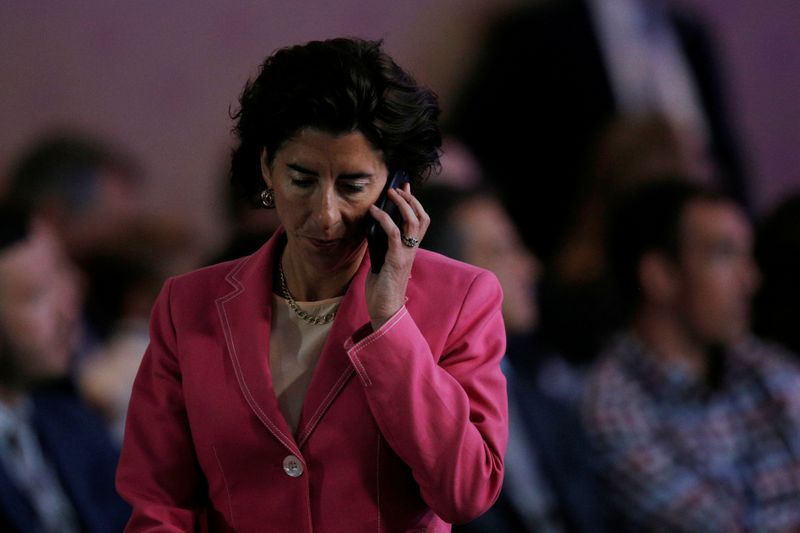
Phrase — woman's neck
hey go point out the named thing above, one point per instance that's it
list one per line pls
(310, 282)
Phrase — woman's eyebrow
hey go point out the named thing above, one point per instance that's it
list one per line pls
(346, 176)
(301, 169)
(355, 175)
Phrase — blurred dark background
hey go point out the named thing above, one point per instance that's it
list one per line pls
(158, 78)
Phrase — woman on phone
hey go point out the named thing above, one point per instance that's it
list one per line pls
(295, 389)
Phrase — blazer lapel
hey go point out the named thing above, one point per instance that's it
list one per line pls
(246, 315)
(334, 368)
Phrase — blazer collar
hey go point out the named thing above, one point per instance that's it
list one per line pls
(246, 316)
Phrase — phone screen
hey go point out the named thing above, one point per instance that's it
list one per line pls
(377, 241)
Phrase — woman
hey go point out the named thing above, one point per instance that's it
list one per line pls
(295, 390)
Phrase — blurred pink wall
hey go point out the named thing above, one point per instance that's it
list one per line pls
(157, 78)
(759, 42)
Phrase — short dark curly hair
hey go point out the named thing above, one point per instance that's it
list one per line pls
(338, 86)
(648, 218)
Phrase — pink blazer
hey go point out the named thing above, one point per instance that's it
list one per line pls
(402, 429)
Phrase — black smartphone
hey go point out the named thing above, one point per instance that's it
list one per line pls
(377, 241)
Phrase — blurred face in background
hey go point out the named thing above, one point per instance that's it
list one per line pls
(105, 213)
(39, 308)
(717, 275)
(491, 241)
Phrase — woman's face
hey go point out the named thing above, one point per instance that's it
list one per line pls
(323, 186)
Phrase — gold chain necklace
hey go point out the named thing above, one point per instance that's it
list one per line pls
(290, 301)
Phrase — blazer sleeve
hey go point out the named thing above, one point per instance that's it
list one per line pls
(445, 415)
(158, 473)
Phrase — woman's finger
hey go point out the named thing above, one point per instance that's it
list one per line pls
(419, 211)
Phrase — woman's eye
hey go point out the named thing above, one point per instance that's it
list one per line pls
(303, 183)
(352, 187)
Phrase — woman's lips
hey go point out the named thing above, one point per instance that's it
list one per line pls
(324, 244)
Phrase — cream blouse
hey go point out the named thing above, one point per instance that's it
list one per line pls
(294, 349)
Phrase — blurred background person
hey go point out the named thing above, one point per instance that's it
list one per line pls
(553, 74)
(576, 292)
(56, 460)
(776, 314)
(549, 483)
(91, 193)
(697, 423)
(86, 189)
(124, 285)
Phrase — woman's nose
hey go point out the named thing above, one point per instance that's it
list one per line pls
(327, 208)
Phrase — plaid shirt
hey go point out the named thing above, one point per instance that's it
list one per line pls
(680, 456)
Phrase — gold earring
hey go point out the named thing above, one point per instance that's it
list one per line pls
(267, 198)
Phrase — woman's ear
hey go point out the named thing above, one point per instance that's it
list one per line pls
(265, 170)
(658, 278)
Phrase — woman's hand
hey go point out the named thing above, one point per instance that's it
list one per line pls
(386, 291)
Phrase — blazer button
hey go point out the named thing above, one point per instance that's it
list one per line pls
(292, 466)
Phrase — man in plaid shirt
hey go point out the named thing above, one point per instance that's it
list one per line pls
(696, 422)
